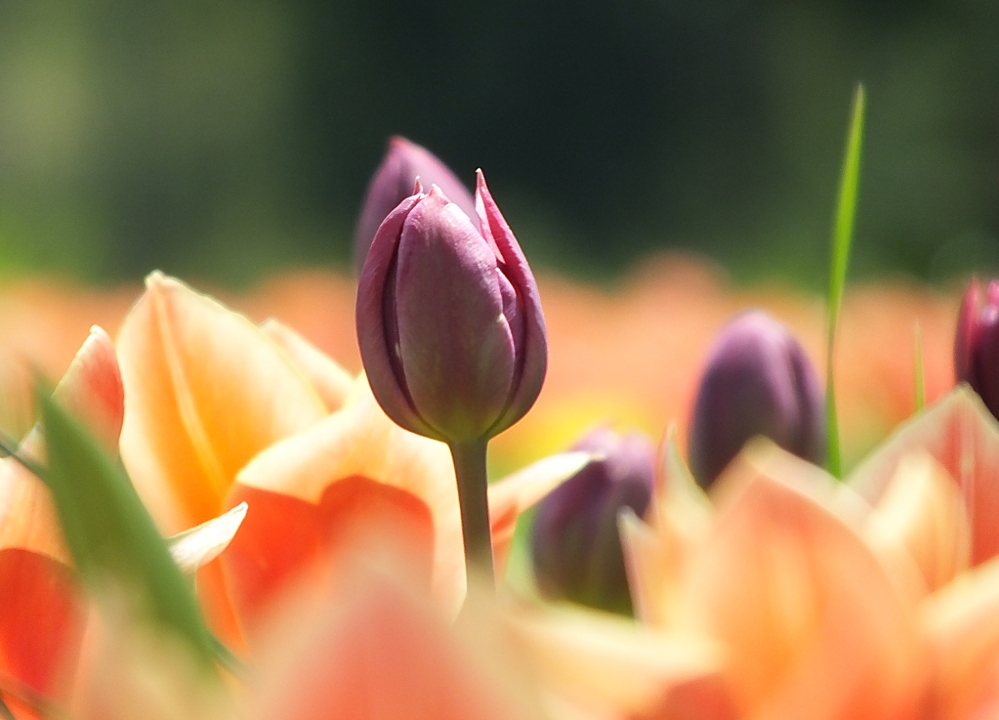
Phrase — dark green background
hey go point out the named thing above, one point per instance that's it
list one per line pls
(225, 139)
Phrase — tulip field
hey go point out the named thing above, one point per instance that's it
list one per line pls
(446, 486)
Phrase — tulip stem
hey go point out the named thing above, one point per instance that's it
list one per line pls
(473, 498)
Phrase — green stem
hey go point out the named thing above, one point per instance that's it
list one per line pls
(473, 497)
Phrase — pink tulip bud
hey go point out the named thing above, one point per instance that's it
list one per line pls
(574, 543)
(393, 182)
(758, 381)
(449, 320)
(976, 345)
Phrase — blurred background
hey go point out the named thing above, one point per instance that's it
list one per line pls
(224, 140)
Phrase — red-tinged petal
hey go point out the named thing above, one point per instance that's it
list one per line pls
(205, 391)
(961, 434)
(42, 617)
(922, 512)
(92, 390)
(355, 464)
(284, 539)
(331, 382)
(814, 626)
(375, 651)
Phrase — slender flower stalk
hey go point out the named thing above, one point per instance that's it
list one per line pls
(470, 470)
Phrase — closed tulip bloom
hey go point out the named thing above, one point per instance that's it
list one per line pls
(449, 320)
(758, 381)
(976, 346)
(393, 182)
(575, 544)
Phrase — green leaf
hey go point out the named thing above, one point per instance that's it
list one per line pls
(108, 531)
(842, 239)
(920, 378)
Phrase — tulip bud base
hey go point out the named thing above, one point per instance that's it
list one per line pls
(473, 498)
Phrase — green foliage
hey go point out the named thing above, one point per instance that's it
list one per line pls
(842, 239)
(109, 534)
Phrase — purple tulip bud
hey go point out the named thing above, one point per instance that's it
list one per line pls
(575, 544)
(449, 320)
(976, 346)
(393, 182)
(758, 381)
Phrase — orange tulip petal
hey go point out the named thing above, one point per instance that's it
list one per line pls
(814, 625)
(205, 391)
(922, 511)
(608, 664)
(283, 539)
(331, 382)
(359, 441)
(961, 623)
(961, 434)
(374, 651)
(42, 616)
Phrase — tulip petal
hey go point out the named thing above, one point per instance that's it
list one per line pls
(354, 466)
(42, 616)
(658, 549)
(331, 382)
(372, 329)
(375, 651)
(815, 627)
(533, 354)
(923, 512)
(961, 434)
(205, 392)
(606, 663)
(200, 545)
(91, 390)
(961, 625)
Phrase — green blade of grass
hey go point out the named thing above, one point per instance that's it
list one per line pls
(842, 239)
(920, 377)
(108, 531)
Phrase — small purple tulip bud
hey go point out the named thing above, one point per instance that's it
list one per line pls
(758, 381)
(976, 345)
(449, 320)
(575, 544)
(393, 182)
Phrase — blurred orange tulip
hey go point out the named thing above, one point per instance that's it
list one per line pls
(42, 609)
(838, 600)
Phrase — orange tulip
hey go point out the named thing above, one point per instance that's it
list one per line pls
(42, 611)
(876, 598)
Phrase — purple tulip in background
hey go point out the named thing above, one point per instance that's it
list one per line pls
(976, 345)
(393, 182)
(575, 544)
(757, 381)
(449, 320)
